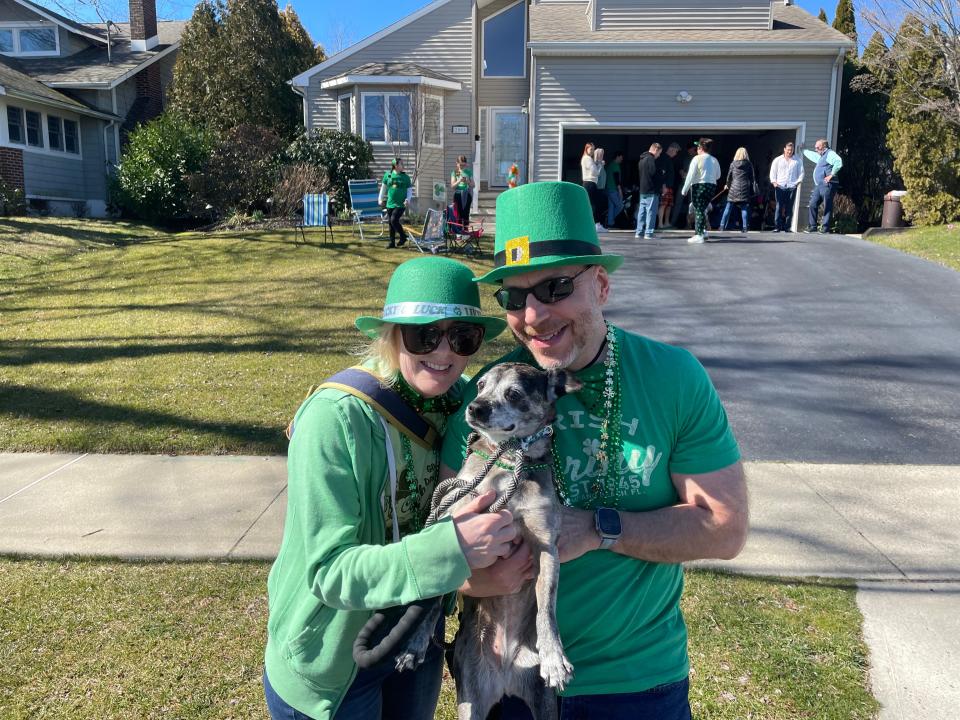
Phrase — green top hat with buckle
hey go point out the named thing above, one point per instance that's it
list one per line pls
(545, 225)
(428, 289)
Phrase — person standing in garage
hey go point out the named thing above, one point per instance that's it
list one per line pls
(649, 192)
(785, 174)
(701, 179)
(825, 184)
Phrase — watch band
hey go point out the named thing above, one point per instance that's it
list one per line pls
(606, 542)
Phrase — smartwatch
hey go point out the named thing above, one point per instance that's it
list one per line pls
(607, 522)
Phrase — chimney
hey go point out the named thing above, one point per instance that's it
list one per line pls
(143, 25)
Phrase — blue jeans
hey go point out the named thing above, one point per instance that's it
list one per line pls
(744, 214)
(821, 193)
(614, 206)
(665, 702)
(784, 213)
(647, 214)
(381, 692)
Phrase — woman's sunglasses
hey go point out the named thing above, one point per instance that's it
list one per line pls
(548, 292)
(464, 338)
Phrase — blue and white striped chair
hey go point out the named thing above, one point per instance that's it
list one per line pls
(316, 213)
(365, 205)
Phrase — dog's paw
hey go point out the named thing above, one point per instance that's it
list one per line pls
(555, 670)
(408, 661)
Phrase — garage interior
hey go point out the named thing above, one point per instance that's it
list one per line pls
(762, 146)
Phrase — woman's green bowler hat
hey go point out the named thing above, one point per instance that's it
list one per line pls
(428, 289)
(544, 225)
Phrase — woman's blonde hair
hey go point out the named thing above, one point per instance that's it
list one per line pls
(383, 354)
(598, 155)
(741, 154)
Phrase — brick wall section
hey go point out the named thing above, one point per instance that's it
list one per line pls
(149, 102)
(11, 166)
(143, 19)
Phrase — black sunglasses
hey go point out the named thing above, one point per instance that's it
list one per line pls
(464, 338)
(548, 292)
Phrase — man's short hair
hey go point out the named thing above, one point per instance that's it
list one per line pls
(824, 142)
(656, 147)
(674, 146)
(790, 142)
(706, 144)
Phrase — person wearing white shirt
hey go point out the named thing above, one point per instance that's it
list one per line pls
(785, 174)
(702, 180)
(590, 170)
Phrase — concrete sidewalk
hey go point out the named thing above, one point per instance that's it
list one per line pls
(894, 529)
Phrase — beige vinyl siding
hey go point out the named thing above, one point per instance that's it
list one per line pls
(642, 91)
(688, 14)
(499, 91)
(442, 41)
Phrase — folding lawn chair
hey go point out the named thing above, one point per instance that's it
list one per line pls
(433, 236)
(316, 213)
(463, 237)
(365, 205)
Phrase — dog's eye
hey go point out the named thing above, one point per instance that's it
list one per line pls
(480, 386)
(513, 395)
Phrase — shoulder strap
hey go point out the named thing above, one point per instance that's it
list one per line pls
(363, 384)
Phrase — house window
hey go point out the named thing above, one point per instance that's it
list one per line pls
(71, 136)
(386, 117)
(432, 120)
(34, 136)
(504, 38)
(343, 111)
(54, 132)
(15, 124)
(31, 39)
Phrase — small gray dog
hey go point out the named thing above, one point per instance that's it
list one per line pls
(509, 645)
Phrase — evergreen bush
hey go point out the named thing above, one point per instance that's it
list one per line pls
(12, 200)
(342, 156)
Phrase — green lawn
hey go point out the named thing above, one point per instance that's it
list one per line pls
(102, 640)
(941, 244)
(118, 338)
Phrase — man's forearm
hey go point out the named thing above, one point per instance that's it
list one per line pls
(679, 534)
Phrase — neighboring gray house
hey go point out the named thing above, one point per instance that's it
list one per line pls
(531, 81)
(69, 94)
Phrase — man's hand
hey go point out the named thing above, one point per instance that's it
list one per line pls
(578, 534)
(827, 179)
(776, 185)
(505, 577)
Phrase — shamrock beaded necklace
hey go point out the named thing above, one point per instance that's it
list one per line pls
(605, 489)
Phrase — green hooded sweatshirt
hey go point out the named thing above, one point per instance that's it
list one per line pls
(334, 566)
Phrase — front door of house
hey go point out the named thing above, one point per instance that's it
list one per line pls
(509, 144)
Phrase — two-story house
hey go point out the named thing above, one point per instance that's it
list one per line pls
(69, 94)
(531, 81)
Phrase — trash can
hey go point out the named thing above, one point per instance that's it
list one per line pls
(892, 209)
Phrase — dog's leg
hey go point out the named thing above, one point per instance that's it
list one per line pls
(541, 523)
(412, 656)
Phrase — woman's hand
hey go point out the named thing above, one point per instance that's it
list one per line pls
(578, 535)
(484, 536)
(505, 577)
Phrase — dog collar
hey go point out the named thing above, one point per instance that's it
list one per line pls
(544, 432)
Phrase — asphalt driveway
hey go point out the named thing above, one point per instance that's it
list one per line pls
(825, 348)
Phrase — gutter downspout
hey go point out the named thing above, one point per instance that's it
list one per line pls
(834, 110)
(531, 116)
(475, 110)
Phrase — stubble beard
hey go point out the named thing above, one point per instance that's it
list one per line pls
(581, 331)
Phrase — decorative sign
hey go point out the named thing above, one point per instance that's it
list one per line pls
(459, 130)
(439, 192)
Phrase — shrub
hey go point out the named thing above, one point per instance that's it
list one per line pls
(241, 171)
(152, 179)
(342, 156)
(296, 181)
(12, 200)
(844, 219)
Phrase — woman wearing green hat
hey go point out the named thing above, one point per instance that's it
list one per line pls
(362, 465)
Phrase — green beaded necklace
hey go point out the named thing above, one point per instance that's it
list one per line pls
(605, 490)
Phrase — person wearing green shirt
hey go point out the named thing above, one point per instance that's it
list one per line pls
(461, 180)
(645, 464)
(614, 190)
(398, 185)
(358, 492)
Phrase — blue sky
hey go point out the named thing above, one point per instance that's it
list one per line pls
(333, 23)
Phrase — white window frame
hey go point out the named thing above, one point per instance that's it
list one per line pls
(483, 41)
(386, 118)
(440, 125)
(44, 131)
(16, 27)
(353, 124)
(63, 134)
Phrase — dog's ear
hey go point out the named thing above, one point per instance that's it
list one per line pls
(561, 382)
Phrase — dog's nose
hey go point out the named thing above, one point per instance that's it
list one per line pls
(479, 411)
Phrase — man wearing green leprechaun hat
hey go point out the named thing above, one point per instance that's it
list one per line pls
(644, 462)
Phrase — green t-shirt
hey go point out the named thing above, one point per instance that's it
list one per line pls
(464, 173)
(613, 169)
(397, 185)
(619, 618)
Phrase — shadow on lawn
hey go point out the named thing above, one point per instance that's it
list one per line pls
(33, 403)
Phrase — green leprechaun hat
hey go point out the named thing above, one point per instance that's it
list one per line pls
(544, 225)
(428, 289)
